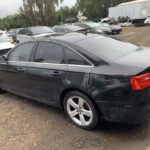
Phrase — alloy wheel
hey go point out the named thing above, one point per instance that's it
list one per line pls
(79, 111)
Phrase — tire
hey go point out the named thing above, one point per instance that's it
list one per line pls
(81, 110)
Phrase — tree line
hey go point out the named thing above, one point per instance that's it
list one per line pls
(46, 12)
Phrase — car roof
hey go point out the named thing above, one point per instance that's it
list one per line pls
(74, 37)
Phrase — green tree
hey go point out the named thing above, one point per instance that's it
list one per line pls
(96, 9)
(65, 12)
(10, 22)
(39, 12)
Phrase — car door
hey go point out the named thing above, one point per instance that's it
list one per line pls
(12, 71)
(46, 74)
(79, 69)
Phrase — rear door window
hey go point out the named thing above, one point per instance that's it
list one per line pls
(49, 52)
(74, 58)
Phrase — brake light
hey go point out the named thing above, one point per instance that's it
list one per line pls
(140, 82)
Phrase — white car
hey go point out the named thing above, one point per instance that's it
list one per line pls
(5, 45)
(6, 35)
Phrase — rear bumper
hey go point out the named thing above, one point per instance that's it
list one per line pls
(132, 114)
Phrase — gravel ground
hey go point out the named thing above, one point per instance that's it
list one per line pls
(28, 125)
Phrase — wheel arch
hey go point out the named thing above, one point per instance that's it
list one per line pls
(63, 94)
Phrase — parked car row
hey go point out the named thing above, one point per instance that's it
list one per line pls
(25, 34)
(21, 35)
(92, 27)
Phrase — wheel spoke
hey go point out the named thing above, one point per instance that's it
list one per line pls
(87, 113)
(82, 119)
(73, 113)
(81, 102)
(79, 111)
(72, 103)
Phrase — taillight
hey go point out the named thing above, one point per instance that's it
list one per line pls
(140, 82)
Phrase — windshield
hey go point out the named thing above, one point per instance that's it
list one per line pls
(3, 39)
(107, 48)
(93, 25)
(96, 26)
(41, 30)
(106, 25)
(74, 28)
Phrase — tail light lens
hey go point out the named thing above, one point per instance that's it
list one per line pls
(140, 82)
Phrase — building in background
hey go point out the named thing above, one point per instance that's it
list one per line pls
(136, 11)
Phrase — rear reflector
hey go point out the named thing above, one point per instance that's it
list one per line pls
(140, 82)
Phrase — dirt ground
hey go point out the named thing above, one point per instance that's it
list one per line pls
(28, 125)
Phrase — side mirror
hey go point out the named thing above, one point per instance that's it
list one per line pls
(3, 58)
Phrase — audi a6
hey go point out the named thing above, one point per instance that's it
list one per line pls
(91, 77)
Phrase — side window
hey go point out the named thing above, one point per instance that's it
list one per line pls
(27, 32)
(66, 30)
(55, 29)
(22, 31)
(74, 58)
(61, 30)
(48, 52)
(21, 53)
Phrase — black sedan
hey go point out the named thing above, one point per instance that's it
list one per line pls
(92, 77)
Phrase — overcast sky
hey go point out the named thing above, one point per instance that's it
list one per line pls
(9, 7)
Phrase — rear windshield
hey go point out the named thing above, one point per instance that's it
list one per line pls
(107, 48)
(74, 28)
(41, 30)
(93, 24)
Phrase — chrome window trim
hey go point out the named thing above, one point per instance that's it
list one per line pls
(73, 51)
(71, 65)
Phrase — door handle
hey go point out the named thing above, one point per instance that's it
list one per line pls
(57, 74)
(21, 69)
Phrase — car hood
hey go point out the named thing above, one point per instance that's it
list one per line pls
(6, 45)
